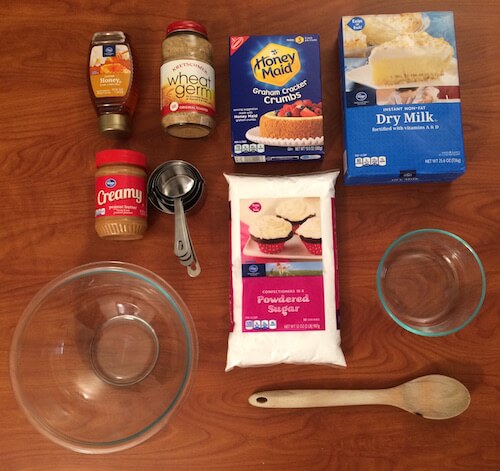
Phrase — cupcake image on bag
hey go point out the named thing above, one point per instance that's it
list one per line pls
(296, 211)
(270, 233)
(310, 235)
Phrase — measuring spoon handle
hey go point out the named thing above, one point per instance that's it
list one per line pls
(191, 262)
(184, 249)
(181, 234)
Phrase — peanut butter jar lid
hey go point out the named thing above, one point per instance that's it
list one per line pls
(114, 125)
(120, 156)
(186, 25)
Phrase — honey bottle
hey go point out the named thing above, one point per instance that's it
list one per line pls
(112, 82)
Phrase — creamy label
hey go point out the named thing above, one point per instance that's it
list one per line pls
(121, 195)
(187, 85)
(110, 70)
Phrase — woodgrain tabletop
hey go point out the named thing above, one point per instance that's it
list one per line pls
(47, 161)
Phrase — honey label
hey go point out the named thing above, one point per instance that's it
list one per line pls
(110, 70)
(121, 195)
(187, 86)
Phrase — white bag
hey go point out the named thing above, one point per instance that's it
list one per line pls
(284, 296)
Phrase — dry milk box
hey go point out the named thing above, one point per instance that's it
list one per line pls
(276, 103)
(401, 98)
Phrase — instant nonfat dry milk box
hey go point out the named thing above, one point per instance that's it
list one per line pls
(401, 98)
(276, 101)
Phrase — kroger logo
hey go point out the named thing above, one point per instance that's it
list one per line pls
(361, 96)
(108, 51)
(110, 183)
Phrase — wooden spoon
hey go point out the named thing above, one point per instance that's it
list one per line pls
(432, 397)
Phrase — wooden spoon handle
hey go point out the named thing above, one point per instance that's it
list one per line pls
(302, 398)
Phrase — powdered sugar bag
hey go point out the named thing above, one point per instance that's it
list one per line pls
(284, 296)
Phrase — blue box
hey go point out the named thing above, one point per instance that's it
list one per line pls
(400, 98)
(276, 98)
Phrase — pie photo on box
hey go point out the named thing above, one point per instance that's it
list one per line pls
(355, 44)
(399, 51)
(376, 30)
(302, 119)
(379, 29)
(410, 58)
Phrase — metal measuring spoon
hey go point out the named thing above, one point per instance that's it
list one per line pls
(175, 188)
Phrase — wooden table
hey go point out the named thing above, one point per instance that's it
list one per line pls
(49, 140)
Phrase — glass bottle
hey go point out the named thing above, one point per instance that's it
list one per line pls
(187, 81)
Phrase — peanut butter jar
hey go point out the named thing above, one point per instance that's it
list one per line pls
(120, 189)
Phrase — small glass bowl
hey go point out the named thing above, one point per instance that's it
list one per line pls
(102, 356)
(431, 282)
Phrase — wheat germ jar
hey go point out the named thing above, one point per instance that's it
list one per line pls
(187, 81)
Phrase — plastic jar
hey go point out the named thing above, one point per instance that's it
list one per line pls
(120, 188)
(187, 81)
(112, 82)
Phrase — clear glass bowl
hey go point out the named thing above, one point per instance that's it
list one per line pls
(431, 282)
(102, 356)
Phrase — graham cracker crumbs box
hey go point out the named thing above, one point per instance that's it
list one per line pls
(276, 100)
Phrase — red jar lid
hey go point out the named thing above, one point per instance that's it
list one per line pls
(186, 25)
(120, 156)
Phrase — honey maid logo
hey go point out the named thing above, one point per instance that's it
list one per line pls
(275, 64)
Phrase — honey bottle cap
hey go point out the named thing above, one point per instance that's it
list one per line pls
(114, 125)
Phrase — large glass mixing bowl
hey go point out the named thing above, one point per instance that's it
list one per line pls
(102, 356)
